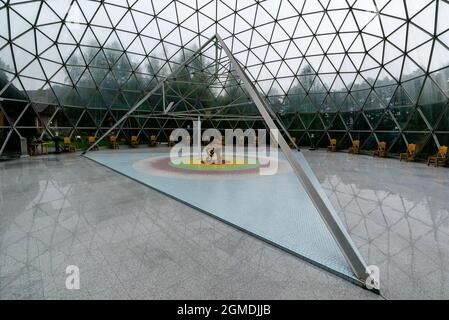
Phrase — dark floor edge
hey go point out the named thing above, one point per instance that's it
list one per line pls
(308, 260)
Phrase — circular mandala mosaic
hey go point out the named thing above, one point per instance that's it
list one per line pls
(189, 166)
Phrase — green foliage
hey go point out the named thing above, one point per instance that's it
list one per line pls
(111, 78)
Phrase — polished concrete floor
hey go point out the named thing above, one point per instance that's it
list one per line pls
(132, 242)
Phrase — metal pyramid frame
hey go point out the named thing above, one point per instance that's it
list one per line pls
(341, 237)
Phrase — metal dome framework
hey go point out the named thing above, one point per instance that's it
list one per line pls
(370, 70)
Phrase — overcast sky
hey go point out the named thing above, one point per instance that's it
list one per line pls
(388, 18)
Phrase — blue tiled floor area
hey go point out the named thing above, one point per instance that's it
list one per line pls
(275, 208)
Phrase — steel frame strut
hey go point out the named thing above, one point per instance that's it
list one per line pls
(346, 245)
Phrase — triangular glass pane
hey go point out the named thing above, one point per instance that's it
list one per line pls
(416, 123)
(316, 124)
(402, 114)
(337, 124)
(431, 94)
(360, 123)
(399, 146)
(386, 123)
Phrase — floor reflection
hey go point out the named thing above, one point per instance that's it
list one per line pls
(397, 214)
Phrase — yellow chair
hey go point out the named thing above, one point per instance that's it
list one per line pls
(153, 141)
(410, 155)
(134, 142)
(381, 150)
(241, 141)
(91, 141)
(171, 141)
(292, 143)
(113, 142)
(333, 146)
(440, 158)
(355, 149)
(33, 149)
(44, 148)
(68, 146)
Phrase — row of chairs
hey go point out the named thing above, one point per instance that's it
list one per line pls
(134, 142)
(440, 159)
(70, 147)
(172, 142)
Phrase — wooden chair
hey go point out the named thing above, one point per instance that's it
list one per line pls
(68, 146)
(410, 155)
(134, 142)
(440, 158)
(355, 149)
(171, 141)
(189, 140)
(333, 146)
(241, 141)
(153, 141)
(292, 143)
(381, 150)
(33, 149)
(113, 142)
(44, 148)
(91, 141)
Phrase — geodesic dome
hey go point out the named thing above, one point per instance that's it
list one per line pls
(368, 70)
